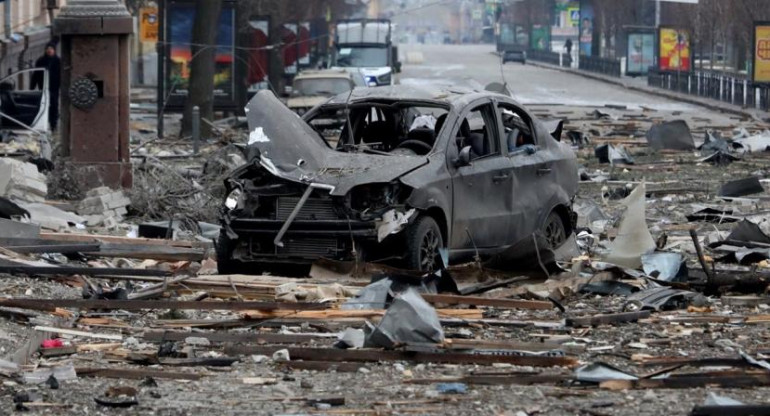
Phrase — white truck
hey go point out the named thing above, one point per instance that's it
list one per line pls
(365, 48)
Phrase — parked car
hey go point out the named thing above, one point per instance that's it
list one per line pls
(311, 88)
(515, 54)
(21, 109)
(411, 171)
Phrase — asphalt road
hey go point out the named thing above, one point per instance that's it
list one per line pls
(477, 65)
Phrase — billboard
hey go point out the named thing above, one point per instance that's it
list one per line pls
(761, 65)
(641, 53)
(675, 53)
(258, 53)
(540, 40)
(586, 29)
(180, 16)
(148, 24)
(304, 44)
(289, 38)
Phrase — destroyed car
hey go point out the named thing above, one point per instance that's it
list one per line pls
(311, 88)
(408, 172)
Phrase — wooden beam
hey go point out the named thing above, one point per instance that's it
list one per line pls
(367, 355)
(135, 374)
(493, 302)
(135, 305)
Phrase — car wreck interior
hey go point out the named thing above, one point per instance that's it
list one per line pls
(402, 128)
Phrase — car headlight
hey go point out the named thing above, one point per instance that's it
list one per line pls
(385, 79)
(232, 200)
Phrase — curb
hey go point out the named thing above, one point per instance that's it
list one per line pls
(653, 92)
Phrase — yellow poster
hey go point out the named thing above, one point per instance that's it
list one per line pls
(762, 53)
(148, 24)
(674, 50)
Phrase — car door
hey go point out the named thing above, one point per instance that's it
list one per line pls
(481, 215)
(531, 168)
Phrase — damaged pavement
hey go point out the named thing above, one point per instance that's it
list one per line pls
(656, 303)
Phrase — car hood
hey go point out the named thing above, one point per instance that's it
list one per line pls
(307, 101)
(290, 149)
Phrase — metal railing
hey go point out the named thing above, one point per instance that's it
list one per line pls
(548, 57)
(736, 89)
(604, 66)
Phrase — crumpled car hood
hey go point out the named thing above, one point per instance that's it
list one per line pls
(291, 149)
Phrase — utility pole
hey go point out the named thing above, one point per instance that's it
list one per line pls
(7, 18)
(657, 13)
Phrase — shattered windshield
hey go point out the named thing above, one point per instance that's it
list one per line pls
(320, 86)
(402, 129)
(362, 57)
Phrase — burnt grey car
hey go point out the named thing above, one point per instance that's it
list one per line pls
(395, 175)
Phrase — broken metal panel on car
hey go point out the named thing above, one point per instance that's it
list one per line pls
(399, 175)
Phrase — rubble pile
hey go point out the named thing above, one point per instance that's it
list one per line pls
(22, 181)
(660, 304)
(104, 206)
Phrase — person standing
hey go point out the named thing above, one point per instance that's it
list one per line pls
(52, 63)
(568, 47)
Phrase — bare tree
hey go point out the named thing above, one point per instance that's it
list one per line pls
(202, 65)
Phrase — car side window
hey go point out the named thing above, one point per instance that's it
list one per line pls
(478, 131)
(517, 128)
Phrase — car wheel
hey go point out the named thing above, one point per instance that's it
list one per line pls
(554, 231)
(423, 242)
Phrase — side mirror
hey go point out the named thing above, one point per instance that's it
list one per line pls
(464, 159)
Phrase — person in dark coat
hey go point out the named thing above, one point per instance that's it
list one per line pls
(52, 63)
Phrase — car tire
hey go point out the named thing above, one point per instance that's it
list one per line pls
(554, 230)
(423, 242)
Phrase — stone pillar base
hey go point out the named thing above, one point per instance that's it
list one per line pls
(115, 175)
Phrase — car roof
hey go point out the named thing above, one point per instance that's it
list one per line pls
(438, 95)
(325, 73)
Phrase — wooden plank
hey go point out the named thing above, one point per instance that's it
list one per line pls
(367, 355)
(136, 305)
(122, 240)
(333, 314)
(340, 367)
(150, 252)
(86, 271)
(690, 381)
(135, 374)
(62, 331)
(614, 318)
(160, 336)
(493, 302)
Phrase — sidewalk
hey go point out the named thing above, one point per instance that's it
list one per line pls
(640, 85)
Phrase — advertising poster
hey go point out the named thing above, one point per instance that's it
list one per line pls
(541, 38)
(761, 53)
(675, 52)
(289, 37)
(641, 53)
(259, 55)
(149, 24)
(586, 30)
(304, 44)
(181, 16)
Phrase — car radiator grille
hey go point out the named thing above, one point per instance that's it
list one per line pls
(314, 209)
(309, 247)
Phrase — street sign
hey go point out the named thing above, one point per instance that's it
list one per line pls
(149, 24)
(761, 66)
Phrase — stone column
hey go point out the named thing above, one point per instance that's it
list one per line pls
(95, 90)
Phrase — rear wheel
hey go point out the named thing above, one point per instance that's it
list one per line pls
(554, 230)
(423, 242)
